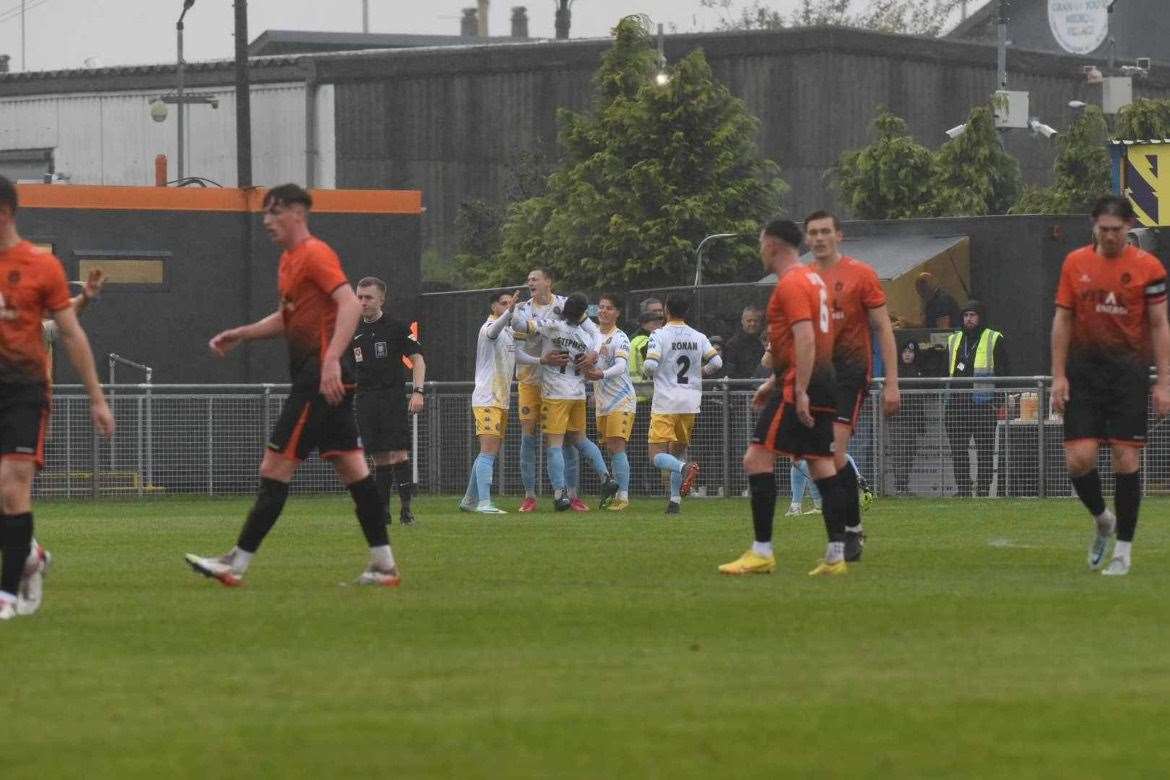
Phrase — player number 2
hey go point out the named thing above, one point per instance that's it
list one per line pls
(684, 365)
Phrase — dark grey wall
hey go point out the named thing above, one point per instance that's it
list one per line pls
(449, 123)
(209, 284)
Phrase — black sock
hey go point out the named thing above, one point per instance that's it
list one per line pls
(405, 477)
(1088, 487)
(384, 479)
(370, 510)
(1127, 497)
(832, 507)
(763, 492)
(16, 533)
(270, 500)
(851, 501)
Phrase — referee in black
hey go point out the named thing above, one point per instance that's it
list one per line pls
(380, 347)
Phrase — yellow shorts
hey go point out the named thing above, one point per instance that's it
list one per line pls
(490, 421)
(616, 425)
(559, 415)
(671, 428)
(529, 402)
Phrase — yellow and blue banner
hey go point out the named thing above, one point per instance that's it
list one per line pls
(1141, 172)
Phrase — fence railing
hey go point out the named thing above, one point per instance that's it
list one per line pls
(949, 440)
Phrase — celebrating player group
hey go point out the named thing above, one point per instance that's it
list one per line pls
(1110, 326)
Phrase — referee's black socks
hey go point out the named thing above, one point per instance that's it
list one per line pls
(404, 476)
(1088, 487)
(384, 479)
(1127, 497)
(16, 534)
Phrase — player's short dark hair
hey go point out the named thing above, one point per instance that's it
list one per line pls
(575, 307)
(546, 272)
(613, 298)
(786, 230)
(678, 305)
(372, 281)
(8, 195)
(495, 297)
(1114, 206)
(822, 214)
(288, 195)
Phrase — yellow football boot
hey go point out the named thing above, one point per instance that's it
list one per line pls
(617, 505)
(750, 563)
(826, 569)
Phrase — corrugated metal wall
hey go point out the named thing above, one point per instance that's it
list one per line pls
(111, 139)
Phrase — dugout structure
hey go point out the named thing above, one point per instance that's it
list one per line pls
(185, 263)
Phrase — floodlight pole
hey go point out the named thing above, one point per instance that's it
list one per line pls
(365, 16)
(179, 92)
(1002, 42)
(699, 254)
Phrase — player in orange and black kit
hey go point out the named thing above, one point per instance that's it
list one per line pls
(1110, 322)
(31, 283)
(797, 404)
(317, 316)
(858, 306)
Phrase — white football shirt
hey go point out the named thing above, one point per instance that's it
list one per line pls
(531, 310)
(678, 384)
(617, 393)
(494, 359)
(556, 335)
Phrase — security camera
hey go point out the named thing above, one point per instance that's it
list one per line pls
(1077, 104)
(1039, 128)
(956, 131)
(158, 110)
(213, 102)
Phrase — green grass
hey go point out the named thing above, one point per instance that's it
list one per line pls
(971, 641)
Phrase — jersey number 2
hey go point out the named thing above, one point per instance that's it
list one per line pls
(684, 365)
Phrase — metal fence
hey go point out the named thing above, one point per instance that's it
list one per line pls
(190, 439)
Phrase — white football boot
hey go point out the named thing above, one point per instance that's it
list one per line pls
(32, 581)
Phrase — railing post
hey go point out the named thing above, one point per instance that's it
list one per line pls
(94, 459)
(210, 455)
(69, 450)
(434, 465)
(1042, 429)
(149, 429)
(879, 438)
(138, 446)
(726, 391)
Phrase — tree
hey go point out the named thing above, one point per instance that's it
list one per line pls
(915, 17)
(1082, 171)
(973, 174)
(751, 16)
(644, 176)
(1143, 120)
(890, 178)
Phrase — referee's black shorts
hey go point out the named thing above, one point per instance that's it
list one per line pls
(307, 422)
(383, 418)
(780, 430)
(1112, 408)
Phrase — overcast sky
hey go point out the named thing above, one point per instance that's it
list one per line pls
(67, 33)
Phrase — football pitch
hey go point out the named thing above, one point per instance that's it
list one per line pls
(970, 641)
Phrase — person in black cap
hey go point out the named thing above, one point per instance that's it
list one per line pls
(972, 407)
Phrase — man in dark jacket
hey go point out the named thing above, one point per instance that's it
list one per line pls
(741, 355)
(939, 310)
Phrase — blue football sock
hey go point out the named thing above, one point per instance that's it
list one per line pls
(472, 492)
(483, 475)
(621, 471)
(667, 462)
(592, 453)
(556, 467)
(572, 469)
(529, 445)
(799, 481)
(676, 486)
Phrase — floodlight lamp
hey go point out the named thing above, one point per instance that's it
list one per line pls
(662, 79)
(1041, 129)
(1077, 104)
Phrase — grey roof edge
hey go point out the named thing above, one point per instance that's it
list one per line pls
(488, 55)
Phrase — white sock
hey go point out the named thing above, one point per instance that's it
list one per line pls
(7, 598)
(762, 548)
(794, 507)
(853, 529)
(382, 557)
(1105, 521)
(1121, 550)
(835, 552)
(241, 560)
(484, 504)
(675, 500)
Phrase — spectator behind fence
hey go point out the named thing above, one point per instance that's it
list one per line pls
(972, 408)
(741, 356)
(939, 309)
(651, 318)
(907, 427)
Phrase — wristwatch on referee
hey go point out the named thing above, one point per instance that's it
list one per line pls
(419, 390)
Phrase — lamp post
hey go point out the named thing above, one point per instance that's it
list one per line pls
(179, 86)
(699, 253)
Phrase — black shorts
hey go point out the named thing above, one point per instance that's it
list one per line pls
(383, 420)
(24, 421)
(307, 422)
(849, 396)
(779, 429)
(1111, 409)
